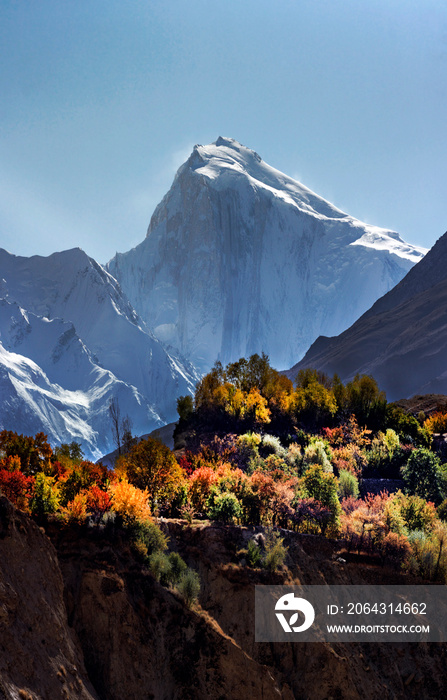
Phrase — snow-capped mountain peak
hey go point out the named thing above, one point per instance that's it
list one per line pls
(240, 258)
(67, 328)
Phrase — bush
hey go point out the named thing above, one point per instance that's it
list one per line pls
(394, 549)
(271, 445)
(160, 567)
(178, 568)
(275, 551)
(148, 533)
(226, 508)
(247, 446)
(318, 452)
(189, 587)
(382, 450)
(295, 457)
(348, 485)
(436, 423)
(253, 554)
(429, 554)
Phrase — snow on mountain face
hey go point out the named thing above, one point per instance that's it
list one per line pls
(70, 342)
(239, 258)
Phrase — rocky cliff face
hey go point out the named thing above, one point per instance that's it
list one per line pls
(40, 657)
(80, 619)
(239, 258)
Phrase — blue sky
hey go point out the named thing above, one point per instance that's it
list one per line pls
(103, 100)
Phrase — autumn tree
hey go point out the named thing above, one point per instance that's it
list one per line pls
(34, 452)
(313, 401)
(436, 423)
(151, 465)
(323, 487)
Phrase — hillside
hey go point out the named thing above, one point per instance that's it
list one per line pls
(91, 603)
(401, 340)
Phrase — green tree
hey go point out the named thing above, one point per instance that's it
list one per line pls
(322, 486)
(422, 475)
(185, 407)
(45, 499)
(226, 508)
(178, 568)
(406, 426)
(72, 451)
(348, 485)
(366, 401)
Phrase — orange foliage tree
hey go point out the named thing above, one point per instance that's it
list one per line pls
(129, 502)
(151, 465)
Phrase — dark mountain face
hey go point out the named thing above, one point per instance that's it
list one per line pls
(401, 341)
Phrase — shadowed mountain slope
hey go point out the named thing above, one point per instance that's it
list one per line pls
(401, 340)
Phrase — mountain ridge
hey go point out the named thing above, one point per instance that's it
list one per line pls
(71, 342)
(401, 340)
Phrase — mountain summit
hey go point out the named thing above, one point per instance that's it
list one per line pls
(240, 258)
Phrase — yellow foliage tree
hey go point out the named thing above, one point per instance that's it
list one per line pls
(128, 501)
(436, 423)
(256, 406)
(76, 510)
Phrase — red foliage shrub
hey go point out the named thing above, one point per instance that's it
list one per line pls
(98, 502)
(17, 487)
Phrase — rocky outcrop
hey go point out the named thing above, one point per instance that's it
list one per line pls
(141, 641)
(313, 671)
(40, 656)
